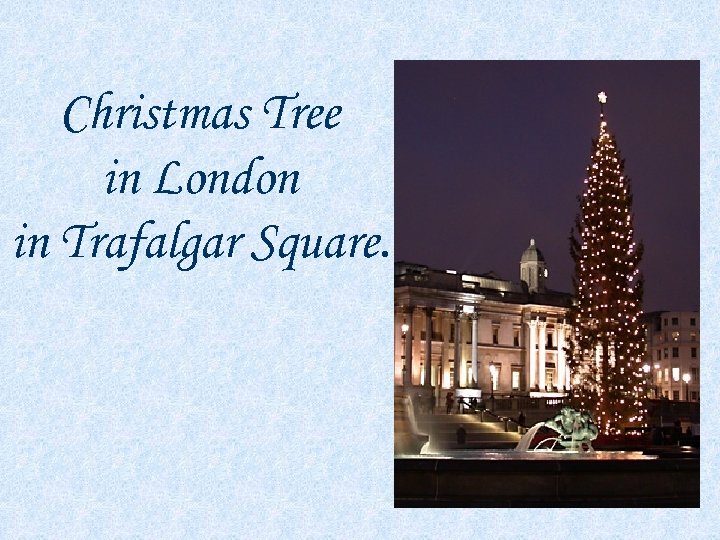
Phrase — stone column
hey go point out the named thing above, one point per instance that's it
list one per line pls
(456, 373)
(473, 318)
(542, 337)
(445, 347)
(428, 345)
(561, 362)
(440, 369)
(532, 353)
(408, 346)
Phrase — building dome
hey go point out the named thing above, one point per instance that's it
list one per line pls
(532, 253)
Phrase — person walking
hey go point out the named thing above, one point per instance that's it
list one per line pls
(449, 402)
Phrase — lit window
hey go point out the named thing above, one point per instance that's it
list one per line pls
(659, 375)
(676, 373)
(549, 378)
(667, 374)
(516, 380)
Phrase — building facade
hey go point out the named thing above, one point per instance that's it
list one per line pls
(478, 331)
(672, 361)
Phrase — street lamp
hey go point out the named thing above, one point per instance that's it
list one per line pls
(493, 373)
(405, 327)
(686, 378)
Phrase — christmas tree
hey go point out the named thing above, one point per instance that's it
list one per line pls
(607, 347)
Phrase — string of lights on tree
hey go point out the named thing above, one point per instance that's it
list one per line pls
(608, 344)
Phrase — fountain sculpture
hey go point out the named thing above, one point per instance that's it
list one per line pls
(575, 432)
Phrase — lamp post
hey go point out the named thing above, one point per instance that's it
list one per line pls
(686, 378)
(405, 327)
(493, 372)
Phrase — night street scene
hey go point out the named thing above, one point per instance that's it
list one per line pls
(547, 284)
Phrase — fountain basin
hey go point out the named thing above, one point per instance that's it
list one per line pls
(537, 455)
(547, 479)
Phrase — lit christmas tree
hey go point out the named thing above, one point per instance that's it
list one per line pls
(608, 344)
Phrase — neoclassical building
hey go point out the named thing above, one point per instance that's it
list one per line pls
(465, 330)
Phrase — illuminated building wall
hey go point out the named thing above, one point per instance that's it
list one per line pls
(518, 328)
(673, 352)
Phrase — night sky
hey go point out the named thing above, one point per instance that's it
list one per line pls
(491, 154)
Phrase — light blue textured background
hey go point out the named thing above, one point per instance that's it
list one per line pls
(236, 399)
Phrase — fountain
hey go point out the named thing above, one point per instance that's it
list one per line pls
(408, 438)
(575, 431)
(562, 469)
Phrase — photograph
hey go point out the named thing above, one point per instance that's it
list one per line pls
(547, 283)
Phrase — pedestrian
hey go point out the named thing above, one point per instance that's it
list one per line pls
(449, 402)
(521, 419)
(461, 435)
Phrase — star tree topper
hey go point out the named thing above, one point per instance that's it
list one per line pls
(602, 98)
